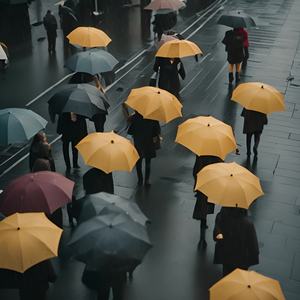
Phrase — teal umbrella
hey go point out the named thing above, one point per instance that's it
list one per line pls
(18, 125)
(92, 62)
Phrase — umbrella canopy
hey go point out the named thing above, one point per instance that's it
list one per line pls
(108, 236)
(178, 49)
(108, 151)
(92, 62)
(259, 96)
(88, 37)
(154, 103)
(104, 203)
(166, 38)
(82, 99)
(246, 285)
(229, 185)
(206, 136)
(236, 19)
(18, 125)
(27, 239)
(165, 4)
(43, 191)
(3, 55)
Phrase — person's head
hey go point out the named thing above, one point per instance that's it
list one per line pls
(39, 137)
(49, 12)
(41, 165)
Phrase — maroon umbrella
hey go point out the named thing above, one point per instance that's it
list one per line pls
(36, 192)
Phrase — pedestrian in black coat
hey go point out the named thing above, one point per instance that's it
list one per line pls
(169, 70)
(236, 240)
(34, 282)
(73, 129)
(234, 46)
(144, 131)
(202, 206)
(254, 122)
(50, 24)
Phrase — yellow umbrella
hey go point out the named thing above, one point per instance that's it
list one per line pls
(228, 184)
(88, 37)
(246, 285)
(154, 103)
(108, 151)
(178, 49)
(206, 136)
(27, 239)
(259, 96)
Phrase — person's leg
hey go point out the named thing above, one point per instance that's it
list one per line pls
(203, 227)
(237, 72)
(75, 155)
(256, 142)
(139, 171)
(147, 170)
(66, 153)
(118, 286)
(248, 143)
(103, 292)
(230, 74)
(54, 44)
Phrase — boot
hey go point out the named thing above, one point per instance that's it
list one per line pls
(202, 243)
(230, 76)
(147, 174)
(237, 77)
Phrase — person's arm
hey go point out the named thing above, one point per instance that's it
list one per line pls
(181, 70)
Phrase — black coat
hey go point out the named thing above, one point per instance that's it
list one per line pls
(202, 206)
(254, 121)
(50, 24)
(71, 131)
(239, 245)
(143, 132)
(234, 47)
(169, 74)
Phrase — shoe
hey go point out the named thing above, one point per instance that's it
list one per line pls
(230, 76)
(68, 169)
(255, 152)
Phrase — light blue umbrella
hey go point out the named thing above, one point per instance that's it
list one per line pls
(92, 62)
(18, 125)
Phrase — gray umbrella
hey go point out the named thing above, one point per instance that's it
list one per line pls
(236, 19)
(107, 237)
(105, 203)
(92, 62)
(18, 125)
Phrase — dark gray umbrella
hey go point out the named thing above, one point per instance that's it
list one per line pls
(105, 203)
(92, 62)
(18, 125)
(82, 99)
(236, 19)
(107, 237)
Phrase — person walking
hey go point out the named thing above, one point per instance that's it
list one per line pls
(234, 46)
(202, 206)
(73, 128)
(169, 70)
(50, 24)
(40, 149)
(236, 240)
(144, 132)
(254, 122)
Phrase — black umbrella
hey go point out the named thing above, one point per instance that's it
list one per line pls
(236, 19)
(107, 237)
(82, 99)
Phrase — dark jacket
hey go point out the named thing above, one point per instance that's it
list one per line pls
(71, 131)
(40, 150)
(254, 121)
(234, 47)
(96, 181)
(50, 24)
(143, 132)
(202, 206)
(239, 245)
(169, 74)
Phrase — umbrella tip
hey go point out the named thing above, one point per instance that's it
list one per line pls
(112, 141)
(249, 286)
(18, 228)
(208, 125)
(262, 86)
(231, 175)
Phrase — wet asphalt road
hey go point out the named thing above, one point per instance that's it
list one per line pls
(174, 269)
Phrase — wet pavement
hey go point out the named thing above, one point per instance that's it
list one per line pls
(174, 269)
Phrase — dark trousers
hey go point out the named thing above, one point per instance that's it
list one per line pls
(32, 294)
(66, 152)
(116, 284)
(51, 41)
(147, 169)
(256, 141)
(228, 268)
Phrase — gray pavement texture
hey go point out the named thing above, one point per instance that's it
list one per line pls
(174, 269)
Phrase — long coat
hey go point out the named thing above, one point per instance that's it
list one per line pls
(202, 206)
(234, 47)
(143, 132)
(40, 150)
(254, 121)
(169, 74)
(71, 131)
(239, 245)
